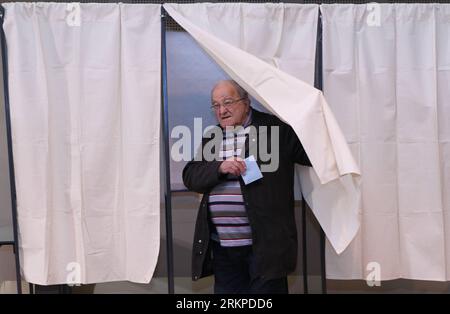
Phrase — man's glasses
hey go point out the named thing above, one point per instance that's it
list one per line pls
(227, 103)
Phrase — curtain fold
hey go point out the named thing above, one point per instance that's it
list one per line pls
(331, 188)
(84, 85)
(388, 85)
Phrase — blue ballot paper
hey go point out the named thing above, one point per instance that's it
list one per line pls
(252, 173)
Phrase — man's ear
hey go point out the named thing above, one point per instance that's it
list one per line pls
(248, 104)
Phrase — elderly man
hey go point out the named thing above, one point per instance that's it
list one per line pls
(245, 234)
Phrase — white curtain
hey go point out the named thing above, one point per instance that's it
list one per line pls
(85, 111)
(252, 42)
(7, 268)
(387, 79)
(283, 35)
(6, 232)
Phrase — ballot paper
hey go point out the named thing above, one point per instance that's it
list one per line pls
(252, 173)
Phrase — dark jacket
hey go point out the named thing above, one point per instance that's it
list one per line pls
(269, 202)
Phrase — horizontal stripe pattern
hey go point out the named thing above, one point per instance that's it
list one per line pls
(226, 204)
(233, 143)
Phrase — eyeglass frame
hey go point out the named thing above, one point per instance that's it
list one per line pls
(231, 102)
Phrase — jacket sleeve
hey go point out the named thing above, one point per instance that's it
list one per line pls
(296, 148)
(201, 176)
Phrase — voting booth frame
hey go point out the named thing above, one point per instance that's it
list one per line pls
(169, 192)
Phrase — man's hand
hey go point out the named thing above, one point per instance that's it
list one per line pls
(233, 165)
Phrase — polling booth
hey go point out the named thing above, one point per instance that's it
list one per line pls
(105, 103)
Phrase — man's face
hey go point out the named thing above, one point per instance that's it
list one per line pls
(234, 114)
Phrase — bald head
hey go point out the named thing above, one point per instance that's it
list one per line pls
(232, 83)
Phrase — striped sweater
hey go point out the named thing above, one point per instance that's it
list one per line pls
(226, 204)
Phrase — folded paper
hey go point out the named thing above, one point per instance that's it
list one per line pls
(252, 171)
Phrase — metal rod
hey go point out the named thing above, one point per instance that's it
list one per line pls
(305, 249)
(323, 270)
(167, 194)
(10, 152)
(318, 83)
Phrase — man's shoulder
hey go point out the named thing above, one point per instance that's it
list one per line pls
(267, 119)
